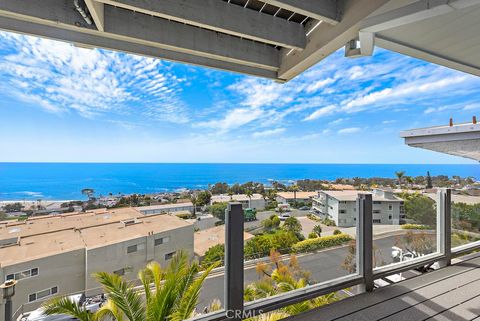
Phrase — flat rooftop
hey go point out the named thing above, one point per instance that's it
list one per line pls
(236, 197)
(205, 239)
(164, 207)
(460, 140)
(299, 195)
(121, 225)
(51, 223)
(353, 195)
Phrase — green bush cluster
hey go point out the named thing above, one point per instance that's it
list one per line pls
(314, 217)
(415, 227)
(319, 243)
(260, 245)
(328, 222)
(337, 232)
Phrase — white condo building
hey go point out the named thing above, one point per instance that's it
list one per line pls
(340, 206)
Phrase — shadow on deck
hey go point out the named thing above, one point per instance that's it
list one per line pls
(451, 293)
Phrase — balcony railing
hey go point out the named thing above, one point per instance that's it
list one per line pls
(235, 308)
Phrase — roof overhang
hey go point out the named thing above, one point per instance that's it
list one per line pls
(459, 140)
(277, 39)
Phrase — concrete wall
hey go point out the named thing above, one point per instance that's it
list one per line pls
(65, 270)
(114, 257)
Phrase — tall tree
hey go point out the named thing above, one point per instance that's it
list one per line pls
(249, 194)
(400, 175)
(429, 181)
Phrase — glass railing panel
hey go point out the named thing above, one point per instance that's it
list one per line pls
(289, 249)
(465, 212)
(404, 227)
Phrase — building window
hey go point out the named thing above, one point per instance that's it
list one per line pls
(168, 256)
(389, 217)
(22, 275)
(377, 202)
(377, 211)
(377, 221)
(42, 294)
(162, 240)
(343, 211)
(132, 248)
(390, 207)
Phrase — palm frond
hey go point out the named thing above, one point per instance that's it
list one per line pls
(65, 305)
(109, 311)
(123, 295)
(189, 298)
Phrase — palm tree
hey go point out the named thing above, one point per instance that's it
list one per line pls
(249, 194)
(168, 294)
(400, 175)
(294, 189)
(193, 198)
(409, 180)
(317, 229)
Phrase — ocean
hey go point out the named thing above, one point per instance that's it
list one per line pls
(64, 181)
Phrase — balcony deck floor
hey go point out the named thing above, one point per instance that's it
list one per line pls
(451, 293)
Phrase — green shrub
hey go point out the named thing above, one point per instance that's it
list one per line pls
(260, 245)
(312, 235)
(337, 232)
(321, 243)
(415, 227)
(214, 254)
(313, 217)
(328, 222)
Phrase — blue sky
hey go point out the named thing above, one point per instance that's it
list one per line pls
(63, 103)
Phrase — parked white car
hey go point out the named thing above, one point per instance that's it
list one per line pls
(284, 216)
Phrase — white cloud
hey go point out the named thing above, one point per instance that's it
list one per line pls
(60, 77)
(324, 111)
(349, 130)
(387, 122)
(473, 106)
(269, 132)
(318, 84)
(234, 119)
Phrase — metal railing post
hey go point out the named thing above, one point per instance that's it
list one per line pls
(444, 225)
(234, 261)
(365, 241)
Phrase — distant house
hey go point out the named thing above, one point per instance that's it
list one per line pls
(340, 206)
(289, 197)
(256, 201)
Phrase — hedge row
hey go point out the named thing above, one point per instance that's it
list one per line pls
(319, 243)
(415, 227)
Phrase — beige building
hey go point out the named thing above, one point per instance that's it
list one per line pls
(57, 255)
(289, 197)
(340, 206)
(256, 201)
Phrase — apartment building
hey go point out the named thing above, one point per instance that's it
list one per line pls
(57, 255)
(165, 208)
(340, 206)
(256, 201)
